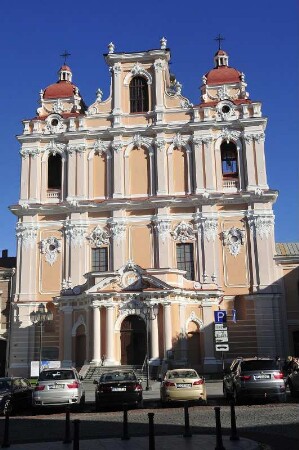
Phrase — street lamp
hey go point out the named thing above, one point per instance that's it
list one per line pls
(150, 312)
(40, 317)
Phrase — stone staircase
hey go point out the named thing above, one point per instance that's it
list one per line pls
(91, 372)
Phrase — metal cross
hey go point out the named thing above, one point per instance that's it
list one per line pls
(219, 38)
(65, 55)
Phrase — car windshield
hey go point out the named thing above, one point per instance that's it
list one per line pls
(5, 384)
(183, 374)
(118, 376)
(56, 375)
(260, 364)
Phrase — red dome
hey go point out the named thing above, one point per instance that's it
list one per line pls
(61, 89)
(223, 74)
(65, 67)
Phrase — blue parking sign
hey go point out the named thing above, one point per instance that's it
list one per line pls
(220, 316)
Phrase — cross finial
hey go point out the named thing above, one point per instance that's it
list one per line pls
(219, 38)
(65, 55)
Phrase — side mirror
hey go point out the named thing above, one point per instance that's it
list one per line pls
(95, 382)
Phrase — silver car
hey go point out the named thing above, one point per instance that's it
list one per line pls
(254, 378)
(58, 387)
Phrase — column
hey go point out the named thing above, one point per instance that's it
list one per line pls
(24, 178)
(198, 166)
(118, 170)
(183, 333)
(116, 112)
(81, 172)
(161, 169)
(209, 166)
(67, 336)
(118, 231)
(167, 329)
(210, 232)
(260, 162)
(96, 335)
(159, 90)
(250, 164)
(109, 335)
(154, 340)
(162, 226)
(71, 174)
(35, 187)
(210, 362)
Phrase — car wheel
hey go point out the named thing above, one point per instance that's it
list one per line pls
(282, 398)
(7, 408)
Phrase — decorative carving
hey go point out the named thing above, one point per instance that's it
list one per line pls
(163, 43)
(116, 68)
(185, 103)
(26, 233)
(118, 230)
(210, 226)
(117, 145)
(261, 224)
(75, 233)
(163, 227)
(175, 88)
(178, 141)
(183, 232)
(159, 65)
(222, 94)
(54, 147)
(233, 239)
(229, 135)
(138, 141)
(99, 237)
(99, 95)
(138, 69)
(54, 123)
(25, 152)
(79, 148)
(205, 139)
(160, 143)
(50, 247)
(111, 47)
(258, 137)
(100, 146)
(73, 201)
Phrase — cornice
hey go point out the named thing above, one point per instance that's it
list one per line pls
(149, 203)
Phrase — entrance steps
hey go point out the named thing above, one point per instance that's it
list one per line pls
(91, 372)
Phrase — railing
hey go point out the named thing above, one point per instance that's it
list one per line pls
(230, 184)
(53, 195)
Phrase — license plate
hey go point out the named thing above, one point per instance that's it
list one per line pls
(120, 389)
(56, 386)
(262, 377)
(184, 385)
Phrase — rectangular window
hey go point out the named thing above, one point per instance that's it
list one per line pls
(99, 259)
(185, 260)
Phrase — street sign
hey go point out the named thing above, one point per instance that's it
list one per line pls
(221, 333)
(220, 316)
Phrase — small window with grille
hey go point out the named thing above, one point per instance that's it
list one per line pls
(99, 259)
(185, 259)
(138, 95)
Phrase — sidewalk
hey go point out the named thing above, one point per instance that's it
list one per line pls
(196, 442)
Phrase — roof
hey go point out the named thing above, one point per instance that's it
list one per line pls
(287, 249)
(61, 89)
(223, 74)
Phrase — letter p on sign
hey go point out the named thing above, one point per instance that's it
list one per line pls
(220, 316)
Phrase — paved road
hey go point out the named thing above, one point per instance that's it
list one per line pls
(274, 423)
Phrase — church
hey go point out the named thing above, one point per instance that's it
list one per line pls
(142, 215)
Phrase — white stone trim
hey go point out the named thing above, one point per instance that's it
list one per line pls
(138, 70)
(79, 321)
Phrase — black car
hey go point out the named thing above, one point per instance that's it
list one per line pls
(254, 378)
(15, 394)
(117, 388)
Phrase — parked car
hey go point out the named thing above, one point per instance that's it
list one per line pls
(254, 378)
(182, 385)
(293, 381)
(15, 394)
(117, 388)
(57, 387)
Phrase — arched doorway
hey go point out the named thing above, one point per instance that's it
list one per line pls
(193, 344)
(80, 346)
(133, 340)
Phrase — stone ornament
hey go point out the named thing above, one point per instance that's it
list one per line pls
(183, 232)
(163, 43)
(257, 137)
(111, 48)
(26, 234)
(229, 135)
(26, 152)
(54, 123)
(118, 230)
(210, 227)
(163, 227)
(79, 148)
(55, 148)
(262, 224)
(138, 141)
(75, 233)
(233, 239)
(178, 141)
(100, 146)
(160, 143)
(50, 247)
(99, 237)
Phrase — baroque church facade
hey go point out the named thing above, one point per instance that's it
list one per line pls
(140, 216)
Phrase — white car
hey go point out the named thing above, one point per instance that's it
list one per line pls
(58, 387)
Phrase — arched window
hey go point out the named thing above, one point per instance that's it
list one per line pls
(138, 95)
(54, 171)
(229, 160)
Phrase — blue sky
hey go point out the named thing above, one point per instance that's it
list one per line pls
(261, 38)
